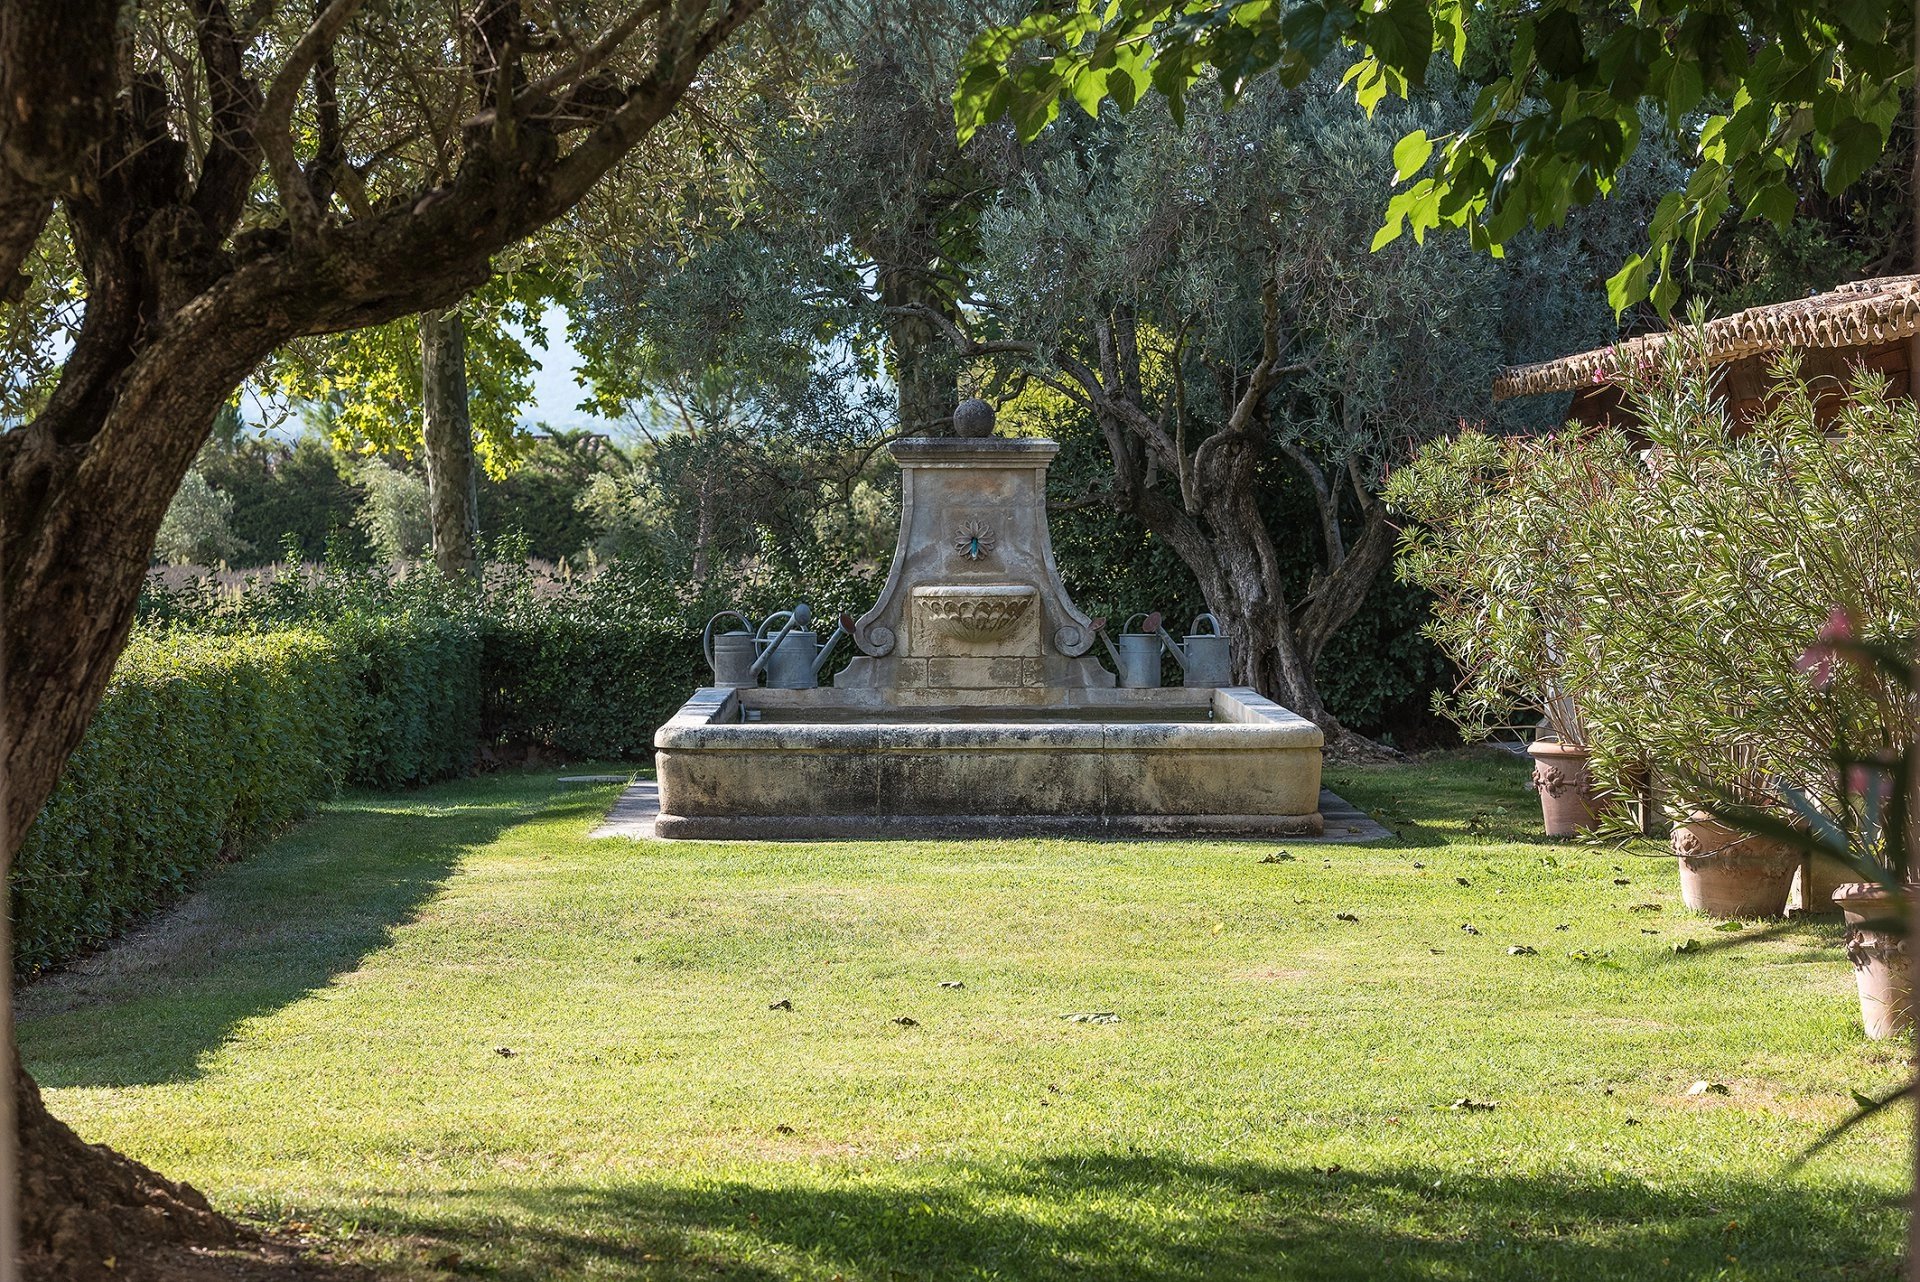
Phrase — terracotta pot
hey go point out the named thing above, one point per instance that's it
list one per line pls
(1724, 873)
(1566, 791)
(1880, 968)
(1815, 883)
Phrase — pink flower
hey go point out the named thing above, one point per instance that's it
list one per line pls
(1818, 659)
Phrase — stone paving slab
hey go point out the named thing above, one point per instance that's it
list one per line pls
(633, 814)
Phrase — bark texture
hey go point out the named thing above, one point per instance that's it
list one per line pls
(182, 303)
(453, 496)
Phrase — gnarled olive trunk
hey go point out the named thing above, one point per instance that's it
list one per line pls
(453, 496)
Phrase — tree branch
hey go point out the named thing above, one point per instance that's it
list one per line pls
(272, 129)
(234, 101)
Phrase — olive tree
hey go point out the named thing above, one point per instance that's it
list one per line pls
(194, 185)
(1206, 291)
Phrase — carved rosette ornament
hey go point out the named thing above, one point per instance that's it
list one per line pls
(974, 539)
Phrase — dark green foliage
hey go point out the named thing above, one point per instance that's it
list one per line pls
(201, 744)
(208, 740)
(283, 492)
(586, 674)
(416, 712)
(538, 502)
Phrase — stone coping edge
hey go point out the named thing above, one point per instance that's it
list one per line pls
(1248, 722)
(889, 827)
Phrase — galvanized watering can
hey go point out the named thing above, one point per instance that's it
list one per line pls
(1137, 658)
(730, 654)
(1203, 660)
(792, 657)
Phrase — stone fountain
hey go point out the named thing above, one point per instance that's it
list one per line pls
(975, 705)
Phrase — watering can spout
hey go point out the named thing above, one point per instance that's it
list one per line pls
(771, 645)
(840, 633)
(1167, 642)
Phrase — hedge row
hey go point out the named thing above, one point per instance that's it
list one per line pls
(583, 679)
(205, 742)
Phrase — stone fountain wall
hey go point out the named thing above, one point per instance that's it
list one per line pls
(973, 609)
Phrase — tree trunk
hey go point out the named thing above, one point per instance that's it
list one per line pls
(921, 358)
(453, 499)
(87, 1214)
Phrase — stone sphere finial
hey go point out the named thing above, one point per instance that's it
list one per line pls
(973, 418)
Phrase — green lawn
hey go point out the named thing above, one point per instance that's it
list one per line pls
(320, 1040)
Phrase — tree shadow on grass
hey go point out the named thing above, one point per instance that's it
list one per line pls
(1149, 1218)
(261, 934)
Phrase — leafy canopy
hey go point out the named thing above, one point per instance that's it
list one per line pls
(1756, 87)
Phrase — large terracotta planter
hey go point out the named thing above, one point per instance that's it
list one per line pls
(1724, 873)
(1880, 968)
(1566, 791)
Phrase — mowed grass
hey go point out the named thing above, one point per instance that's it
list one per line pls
(445, 1032)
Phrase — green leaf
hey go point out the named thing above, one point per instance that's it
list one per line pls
(1557, 44)
(1089, 87)
(1850, 150)
(1776, 203)
(1410, 155)
(1628, 285)
(1314, 29)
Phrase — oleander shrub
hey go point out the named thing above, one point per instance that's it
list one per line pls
(202, 744)
(1658, 596)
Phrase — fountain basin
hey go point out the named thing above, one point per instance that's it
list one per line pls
(770, 764)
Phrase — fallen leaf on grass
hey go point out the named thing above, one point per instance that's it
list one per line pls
(1345, 917)
(1470, 929)
(1461, 881)
(1621, 881)
(1690, 946)
(1278, 857)
(1564, 926)
(785, 1003)
(1418, 864)
(952, 983)
(504, 1052)
(1091, 1017)
(1644, 908)
(906, 1021)
(1731, 925)
(1522, 950)
(1704, 1087)
(784, 1129)
(1466, 1105)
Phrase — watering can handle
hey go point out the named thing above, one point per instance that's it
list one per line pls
(706, 637)
(1207, 616)
(1148, 622)
(759, 665)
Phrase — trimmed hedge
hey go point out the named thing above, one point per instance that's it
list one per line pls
(417, 705)
(201, 744)
(208, 741)
(582, 680)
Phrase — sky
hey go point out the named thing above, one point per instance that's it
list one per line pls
(556, 396)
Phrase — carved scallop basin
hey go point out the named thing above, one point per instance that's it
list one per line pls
(770, 764)
(976, 613)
